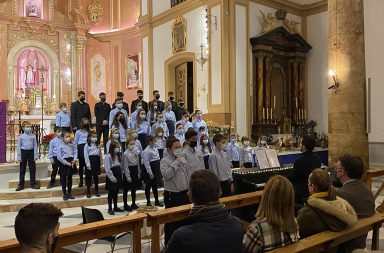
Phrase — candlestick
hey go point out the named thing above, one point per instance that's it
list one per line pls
(267, 113)
(305, 114)
(297, 104)
(271, 113)
(274, 102)
(263, 113)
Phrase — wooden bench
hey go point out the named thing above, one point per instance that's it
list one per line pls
(328, 240)
(155, 219)
(84, 232)
(372, 173)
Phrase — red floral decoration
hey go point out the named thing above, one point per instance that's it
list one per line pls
(47, 138)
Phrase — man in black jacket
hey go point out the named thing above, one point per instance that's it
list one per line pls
(79, 110)
(156, 97)
(171, 98)
(209, 227)
(102, 110)
(181, 110)
(302, 168)
(140, 96)
(120, 95)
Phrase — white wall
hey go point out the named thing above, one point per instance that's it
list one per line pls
(144, 7)
(215, 61)
(374, 55)
(241, 70)
(145, 68)
(162, 50)
(317, 65)
(159, 6)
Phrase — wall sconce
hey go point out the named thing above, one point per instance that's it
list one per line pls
(334, 87)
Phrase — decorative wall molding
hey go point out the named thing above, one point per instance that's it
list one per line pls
(115, 35)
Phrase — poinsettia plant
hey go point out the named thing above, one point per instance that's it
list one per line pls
(47, 138)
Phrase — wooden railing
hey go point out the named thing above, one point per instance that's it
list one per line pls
(95, 230)
(155, 219)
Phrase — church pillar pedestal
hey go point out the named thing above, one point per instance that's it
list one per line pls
(347, 109)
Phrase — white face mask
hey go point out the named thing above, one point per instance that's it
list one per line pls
(93, 139)
(169, 108)
(131, 147)
(67, 139)
(64, 109)
(246, 143)
(180, 131)
(117, 150)
(27, 130)
(263, 142)
(119, 105)
(139, 107)
(160, 134)
(155, 107)
(58, 134)
(142, 116)
(177, 152)
(205, 141)
(116, 136)
(134, 136)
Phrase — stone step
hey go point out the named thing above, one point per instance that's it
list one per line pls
(43, 182)
(14, 205)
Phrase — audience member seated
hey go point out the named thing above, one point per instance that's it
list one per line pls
(349, 170)
(324, 210)
(210, 228)
(37, 227)
(275, 225)
(302, 168)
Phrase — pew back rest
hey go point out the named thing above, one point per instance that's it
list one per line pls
(328, 239)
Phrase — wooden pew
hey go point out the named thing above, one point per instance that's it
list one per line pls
(90, 231)
(372, 173)
(328, 239)
(155, 219)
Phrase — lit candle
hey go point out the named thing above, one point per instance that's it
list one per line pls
(297, 104)
(263, 113)
(274, 101)
(305, 114)
(267, 113)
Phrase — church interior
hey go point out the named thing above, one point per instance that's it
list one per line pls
(275, 68)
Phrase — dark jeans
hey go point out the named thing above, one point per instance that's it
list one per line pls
(55, 168)
(225, 188)
(173, 199)
(155, 167)
(103, 130)
(27, 156)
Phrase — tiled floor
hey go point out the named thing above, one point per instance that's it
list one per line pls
(72, 217)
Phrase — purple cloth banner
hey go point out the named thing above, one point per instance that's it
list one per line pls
(3, 132)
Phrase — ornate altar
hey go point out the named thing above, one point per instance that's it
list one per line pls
(279, 81)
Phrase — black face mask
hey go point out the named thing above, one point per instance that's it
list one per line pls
(103, 99)
(122, 120)
(141, 97)
(82, 99)
(171, 98)
(193, 144)
(157, 97)
(181, 104)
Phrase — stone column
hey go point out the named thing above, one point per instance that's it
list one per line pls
(260, 86)
(80, 63)
(295, 90)
(301, 84)
(346, 108)
(268, 81)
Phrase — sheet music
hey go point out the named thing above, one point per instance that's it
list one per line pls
(272, 158)
(262, 159)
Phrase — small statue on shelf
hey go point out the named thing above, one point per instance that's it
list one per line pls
(33, 11)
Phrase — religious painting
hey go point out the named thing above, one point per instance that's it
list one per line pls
(95, 12)
(98, 76)
(33, 8)
(132, 71)
(179, 35)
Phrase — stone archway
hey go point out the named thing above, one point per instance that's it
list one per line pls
(170, 72)
(54, 60)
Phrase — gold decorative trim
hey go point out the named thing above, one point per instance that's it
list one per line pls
(95, 12)
(179, 28)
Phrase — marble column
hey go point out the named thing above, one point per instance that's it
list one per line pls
(346, 108)
(296, 90)
(260, 86)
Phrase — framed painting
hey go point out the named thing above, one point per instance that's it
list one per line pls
(179, 35)
(132, 71)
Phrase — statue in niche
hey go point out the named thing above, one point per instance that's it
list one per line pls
(269, 21)
(32, 11)
(291, 25)
(30, 73)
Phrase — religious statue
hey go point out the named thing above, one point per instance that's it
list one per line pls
(32, 11)
(270, 22)
(30, 75)
(291, 25)
(133, 69)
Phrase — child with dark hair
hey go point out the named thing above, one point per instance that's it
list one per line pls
(113, 136)
(52, 155)
(131, 169)
(143, 128)
(114, 178)
(93, 160)
(233, 151)
(220, 164)
(160, 123)
(246, 154)
(180, 133)
(120, 123)
(81, 137)
(67, 156)
(151, 159)
(206, 149)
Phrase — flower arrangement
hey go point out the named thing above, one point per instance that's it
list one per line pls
(47, 138)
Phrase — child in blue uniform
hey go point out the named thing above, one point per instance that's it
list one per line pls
(93, 161)
(52, 155)
(80, 140)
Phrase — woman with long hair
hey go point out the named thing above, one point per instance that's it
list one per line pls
(152, 113)
(120, 123)
(143, 129)
(324, 210)
(81, 138)
(275, 225)
(206, 149)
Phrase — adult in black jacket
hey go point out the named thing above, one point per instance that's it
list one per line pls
(209, 228)
(120, 95)
(171, 98)
(102, 110)
(180, 110)
(140, 96)
(79, 110)
(302, 168)
(156, 98)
